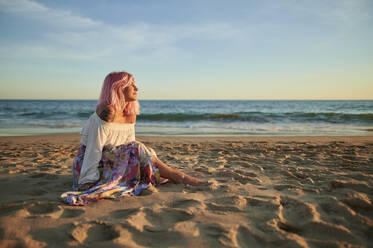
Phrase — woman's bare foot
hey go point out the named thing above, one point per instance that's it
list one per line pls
(192, 180)
(163, 180)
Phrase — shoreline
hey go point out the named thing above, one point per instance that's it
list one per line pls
(279, 191)
(57, 136)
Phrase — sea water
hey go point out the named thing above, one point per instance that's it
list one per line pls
(198, 118)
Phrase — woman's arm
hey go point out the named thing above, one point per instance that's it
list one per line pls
(93, 153)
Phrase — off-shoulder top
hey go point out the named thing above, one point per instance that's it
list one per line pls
(96, 134)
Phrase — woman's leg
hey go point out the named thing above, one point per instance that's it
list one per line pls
(174, 175)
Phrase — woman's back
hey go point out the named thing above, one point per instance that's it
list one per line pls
(109, 115)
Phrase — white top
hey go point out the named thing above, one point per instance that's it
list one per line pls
(96, 134)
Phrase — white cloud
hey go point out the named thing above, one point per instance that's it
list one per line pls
(21, 6)
(33, 10)
(78, 37)
(21, 51)
(350, 12)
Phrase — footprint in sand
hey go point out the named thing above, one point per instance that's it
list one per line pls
(42, 183)
(359, 186)
(45, 176)
(227, 204)
(124, 213)
(327, 231)
(99, 232)
(246, 173)
(94, 233)
(359, 202)
(243, 179)
(35, 192)
(9, 208)
(296, 213)
(146, 226)
(51, 177)
(223, 209)
(45, 209)
(282, 187)
(167, 217)
(160, 220)
(267, 236)
(72, 213)
(185, 203)
(55, 237)
(336, 212)
(38, 175)
(301, 217)
(267, 204)
(205, 170)
(217, 235)
(260, 212)
(332, 206)
(79, 233)
(249, 237)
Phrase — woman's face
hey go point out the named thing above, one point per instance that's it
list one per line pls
(130, 92)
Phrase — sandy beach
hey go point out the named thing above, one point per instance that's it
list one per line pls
(262, 192)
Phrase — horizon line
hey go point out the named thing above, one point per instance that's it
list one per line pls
(44, 99)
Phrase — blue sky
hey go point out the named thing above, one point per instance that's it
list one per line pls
(195, 49)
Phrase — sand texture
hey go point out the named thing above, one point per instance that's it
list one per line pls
(262, 192)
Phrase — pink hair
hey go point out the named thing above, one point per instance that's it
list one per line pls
(112, 93)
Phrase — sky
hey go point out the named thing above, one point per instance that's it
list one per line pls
(195, 49)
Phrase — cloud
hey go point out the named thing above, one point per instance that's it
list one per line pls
(30, 52)
(33, 10)
(21, 6)
(78, 37)
(350, 12)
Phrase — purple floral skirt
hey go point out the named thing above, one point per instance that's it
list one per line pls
(124, 170)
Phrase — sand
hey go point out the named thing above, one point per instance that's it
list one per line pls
(262, 192)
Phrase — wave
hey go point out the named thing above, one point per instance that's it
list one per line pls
(260, 117)
(251, 117)
(54, 114)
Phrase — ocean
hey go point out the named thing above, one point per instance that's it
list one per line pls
(199, 118)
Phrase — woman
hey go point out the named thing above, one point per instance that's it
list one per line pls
(110, 163)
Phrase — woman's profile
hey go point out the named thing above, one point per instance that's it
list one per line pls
(110, 162)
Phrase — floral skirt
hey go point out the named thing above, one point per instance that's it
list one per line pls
(124, 170)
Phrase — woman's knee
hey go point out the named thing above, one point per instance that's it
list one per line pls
(155, 161)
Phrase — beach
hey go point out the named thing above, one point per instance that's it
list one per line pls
(279, 191)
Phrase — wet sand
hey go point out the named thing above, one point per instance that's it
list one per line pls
(262, 192)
